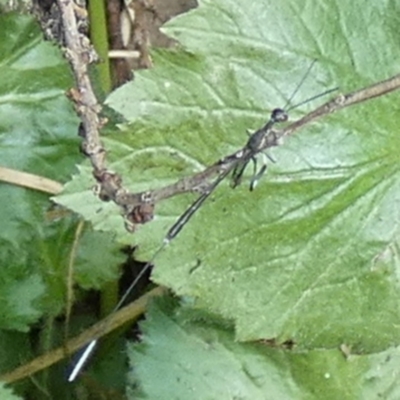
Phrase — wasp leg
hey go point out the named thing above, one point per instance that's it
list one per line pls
(238, 173)
(256, 176)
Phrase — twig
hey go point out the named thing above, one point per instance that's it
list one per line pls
(31, 181)
(88, 108)
(70, 276)
(124, 54)
(100, 329)
(78, 53)
(198, 180)
(343, 101)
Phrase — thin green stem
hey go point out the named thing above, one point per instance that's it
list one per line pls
(99, 38)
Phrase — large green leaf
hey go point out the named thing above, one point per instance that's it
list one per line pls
(181, 357)
(311, 255)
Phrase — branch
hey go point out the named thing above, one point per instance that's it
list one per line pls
(79, 53)
(198, 181)
(112, 322)
(343, 101)
(31, 181)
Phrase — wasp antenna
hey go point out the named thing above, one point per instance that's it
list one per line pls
(300, 84)
(317, 96)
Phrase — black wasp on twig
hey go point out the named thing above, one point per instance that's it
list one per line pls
(237, 166)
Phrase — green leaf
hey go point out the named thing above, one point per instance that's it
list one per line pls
(15, 350)
(7, 394)
(311, 255)
(18, 301)
(182, 357)
(98, 259)
(37, 135)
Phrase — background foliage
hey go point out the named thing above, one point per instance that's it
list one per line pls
(310, 257)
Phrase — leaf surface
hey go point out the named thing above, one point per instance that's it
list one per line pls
(183, 357)
(311, 255)
(38, 135)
